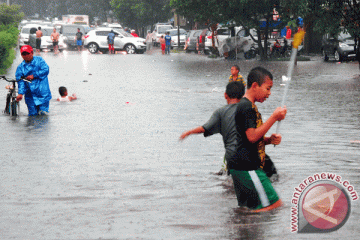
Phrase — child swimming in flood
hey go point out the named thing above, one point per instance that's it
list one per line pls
(64, 95)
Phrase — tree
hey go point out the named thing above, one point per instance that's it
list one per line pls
(247, 13)
(141, 13)
(10, 16)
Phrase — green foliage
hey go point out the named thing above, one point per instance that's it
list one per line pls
(140, 13)
(9, 17)
(10, 14)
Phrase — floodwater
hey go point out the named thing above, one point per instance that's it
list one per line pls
(109, 165)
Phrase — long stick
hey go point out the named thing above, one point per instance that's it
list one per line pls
(298, 37)
(287, 79)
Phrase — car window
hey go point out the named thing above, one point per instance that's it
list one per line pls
(197, 33)
(223, 31)
(26, 30)
(102, 33)
(344, 36)
(175, 32)
(33, 30)
(162, 29)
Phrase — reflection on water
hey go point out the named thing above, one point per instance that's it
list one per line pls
(109, 165)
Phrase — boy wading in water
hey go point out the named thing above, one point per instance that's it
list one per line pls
(252, 187)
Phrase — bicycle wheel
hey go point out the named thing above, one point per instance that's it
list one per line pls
(14, 108)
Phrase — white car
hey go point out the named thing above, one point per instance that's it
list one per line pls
(174, 37)
(25, 33)
(96, 40)
(160, 29)
(46, 42)
(242, 42)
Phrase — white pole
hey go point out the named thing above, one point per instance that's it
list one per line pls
(287, 79)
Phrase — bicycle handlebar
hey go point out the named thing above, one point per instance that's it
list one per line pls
(14, 80)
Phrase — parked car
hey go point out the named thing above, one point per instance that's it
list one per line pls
(201, 44)
(339, 47)
(240, 42)
(25, 33)
(68, 32)
(46, 42)
(96, 40)
(174, 37)
(159, 29)
(191, 40)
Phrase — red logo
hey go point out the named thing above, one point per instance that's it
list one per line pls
(325, 206)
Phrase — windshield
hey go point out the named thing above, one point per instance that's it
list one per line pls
(162, 29)
(71, 30)
(344, 36)
(175, 32)
(47, 31)
(125, 34)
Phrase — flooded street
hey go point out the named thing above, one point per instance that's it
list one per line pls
(109, 165)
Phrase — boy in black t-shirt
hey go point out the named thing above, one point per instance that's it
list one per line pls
(252, 187)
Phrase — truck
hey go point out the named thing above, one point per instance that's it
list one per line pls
(76, 19)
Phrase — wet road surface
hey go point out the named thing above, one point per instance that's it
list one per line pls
(109, 165)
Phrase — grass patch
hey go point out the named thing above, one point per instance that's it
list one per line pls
(177, 50)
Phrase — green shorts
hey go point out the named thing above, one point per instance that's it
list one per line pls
(253, 189)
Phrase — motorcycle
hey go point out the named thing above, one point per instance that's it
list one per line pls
(251, 53)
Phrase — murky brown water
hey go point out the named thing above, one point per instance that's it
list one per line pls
(110, 165)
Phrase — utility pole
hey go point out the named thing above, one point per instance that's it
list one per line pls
(8, 2)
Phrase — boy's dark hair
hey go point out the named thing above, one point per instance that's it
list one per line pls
(79, 29)
(258, 75)
(237, 67)
(62, 91)
(39, 28)
(235, 90)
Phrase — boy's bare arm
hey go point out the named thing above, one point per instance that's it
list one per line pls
(73, 97)
(254, 134)
(197, 130)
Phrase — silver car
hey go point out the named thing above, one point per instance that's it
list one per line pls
(96, 40)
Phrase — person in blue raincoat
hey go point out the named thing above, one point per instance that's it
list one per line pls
(37, 93)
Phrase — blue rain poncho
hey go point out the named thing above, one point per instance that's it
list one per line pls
(38, 91)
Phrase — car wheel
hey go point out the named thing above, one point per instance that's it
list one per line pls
(130, 49)
(337, 56)
(93, 48)
(326, 57)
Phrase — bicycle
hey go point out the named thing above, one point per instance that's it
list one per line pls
(12, 106)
